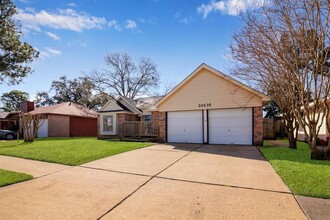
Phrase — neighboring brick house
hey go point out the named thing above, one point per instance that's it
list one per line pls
(67, 120)
(206, 107)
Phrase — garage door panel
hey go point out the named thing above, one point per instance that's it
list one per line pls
(230, 126)
(185, 127)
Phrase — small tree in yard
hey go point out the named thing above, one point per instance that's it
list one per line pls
(30, 124)
(284, 47)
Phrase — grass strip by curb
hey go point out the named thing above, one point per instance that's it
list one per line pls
(10, 177)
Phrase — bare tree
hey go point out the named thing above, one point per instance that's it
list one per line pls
(124, 76)
(284, 47)
(167, 87)
(327, 115)
(30, 124)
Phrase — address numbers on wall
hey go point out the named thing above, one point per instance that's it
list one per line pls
(203, 105)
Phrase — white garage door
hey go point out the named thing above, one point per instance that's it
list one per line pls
(230, 126)
(43, 130)
(185, 127)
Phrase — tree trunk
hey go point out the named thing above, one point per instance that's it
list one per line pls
(291, 135)
(314, 154)
(292, 142)
(313, 146)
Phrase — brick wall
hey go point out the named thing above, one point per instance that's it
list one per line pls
(258, 126)
(27, 106)
(161, 118)
(99, 136)
(58, 126)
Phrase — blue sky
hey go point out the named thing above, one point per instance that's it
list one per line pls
(74, 36)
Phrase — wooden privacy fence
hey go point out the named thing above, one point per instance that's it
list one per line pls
(273, 128)
(139, 129)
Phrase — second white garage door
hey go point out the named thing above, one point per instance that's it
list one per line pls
(185, 127)
(230, 126)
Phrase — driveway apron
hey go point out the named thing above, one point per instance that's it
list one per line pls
(180, 181)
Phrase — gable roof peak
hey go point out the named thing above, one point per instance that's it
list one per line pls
(218, 73)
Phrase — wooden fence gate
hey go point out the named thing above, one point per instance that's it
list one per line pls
(273, 128)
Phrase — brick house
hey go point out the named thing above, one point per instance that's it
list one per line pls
(206, 107)
(65, 120)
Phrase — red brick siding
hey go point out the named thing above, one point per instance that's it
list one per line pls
(258, 126)
(83, 127)
(27, 106)
(58, 126)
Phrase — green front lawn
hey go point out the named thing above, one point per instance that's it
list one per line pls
(9, 177)
(68, 151)
(303, 176)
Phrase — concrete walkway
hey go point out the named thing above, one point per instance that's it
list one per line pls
(32, 167)
(315, 208)
(158, 182)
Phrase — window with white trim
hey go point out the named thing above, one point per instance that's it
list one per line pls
(108, 123)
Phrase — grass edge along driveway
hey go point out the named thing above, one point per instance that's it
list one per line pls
(67, 151)
(10, 177)
(303, 176)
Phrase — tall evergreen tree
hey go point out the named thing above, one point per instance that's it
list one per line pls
(13, 53)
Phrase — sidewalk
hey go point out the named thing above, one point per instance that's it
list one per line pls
(32, 167)
(315, 208)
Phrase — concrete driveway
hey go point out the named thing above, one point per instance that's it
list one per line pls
(159, 182)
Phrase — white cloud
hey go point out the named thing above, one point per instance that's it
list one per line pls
(230, 7)
(152, 20)
(71, 4)
(53, 51)
(130, 24)
(67, 19)
(48, 52)
(186, 20)
(114, 24)
(76, 43)
(53, 36)
(25, 1)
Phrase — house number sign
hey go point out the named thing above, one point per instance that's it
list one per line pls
(204, 105)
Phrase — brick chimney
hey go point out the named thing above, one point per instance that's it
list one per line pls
(27, 106)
